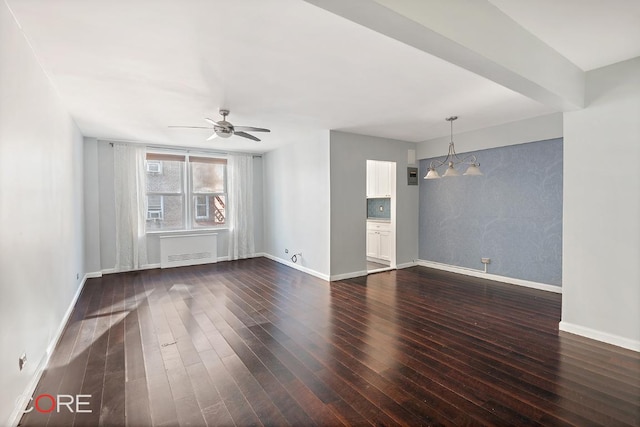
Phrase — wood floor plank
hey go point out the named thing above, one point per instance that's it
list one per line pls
(253, 342)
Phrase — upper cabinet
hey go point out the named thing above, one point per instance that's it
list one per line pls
(378, 179)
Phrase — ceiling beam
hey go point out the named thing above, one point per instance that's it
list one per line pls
(476, 36)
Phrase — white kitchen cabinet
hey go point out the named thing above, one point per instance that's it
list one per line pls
(378, 179)
(371, 177)
(379, 240)
(385, 245)
(383, 171)
(373, 243)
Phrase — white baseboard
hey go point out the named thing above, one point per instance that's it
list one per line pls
(296, 266)
(152, 266)
(16, 415)
(144, 267)
(600, 336)
(353, 274)
(348, 275)
(481, 274)
(406, 265)
(93, 275)
(379, 261)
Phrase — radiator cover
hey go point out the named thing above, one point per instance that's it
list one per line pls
(188, 249)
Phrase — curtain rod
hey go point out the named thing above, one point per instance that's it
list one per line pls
(175, 147)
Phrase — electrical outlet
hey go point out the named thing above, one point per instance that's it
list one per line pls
(22, 360)
(485, 260)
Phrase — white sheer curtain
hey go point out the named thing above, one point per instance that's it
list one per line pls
(240, 215)
(131, 206)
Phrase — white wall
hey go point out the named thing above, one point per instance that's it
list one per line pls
(539, 128)
(601, 268)
(106, 204)
(105, 250)
(258, 205)
(296, 203)
(91, 207)
(349, 154)
(41, 221)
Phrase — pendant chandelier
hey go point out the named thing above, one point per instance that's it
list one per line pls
(452, 160)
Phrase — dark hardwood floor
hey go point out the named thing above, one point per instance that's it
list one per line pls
(256, 343)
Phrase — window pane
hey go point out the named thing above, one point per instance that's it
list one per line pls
(209, 211)
(202, 207)
(164, 176)
(164, 212)
(207, 177)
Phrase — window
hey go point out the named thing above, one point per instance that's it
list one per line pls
(208, 188)
(155, 209)
(172, 180)
(202, 207)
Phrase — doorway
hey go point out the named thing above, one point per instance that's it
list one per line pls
(381, 216)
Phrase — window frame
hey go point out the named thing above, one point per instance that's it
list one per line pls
(189, 208)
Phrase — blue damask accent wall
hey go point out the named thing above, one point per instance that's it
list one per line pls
(512, 214)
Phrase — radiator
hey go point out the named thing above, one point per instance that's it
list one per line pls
(188, 249)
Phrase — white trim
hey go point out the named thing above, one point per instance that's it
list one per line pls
(483, 275)
(406, 265)
(254, 255)
(353, 274)
(152, 266)
(17, 413)
(93, 275)
(296, 266)
(600, 336)
(380, 270)
(379, 261)
(144, 267)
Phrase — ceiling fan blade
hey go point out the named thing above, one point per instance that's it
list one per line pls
(213, 136)
(246, 135)
(213, 122)
(191, 127)
(251, 129)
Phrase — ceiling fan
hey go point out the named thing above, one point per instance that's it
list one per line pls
(224, 129)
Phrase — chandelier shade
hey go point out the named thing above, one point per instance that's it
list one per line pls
(452, 160)
(451, 171)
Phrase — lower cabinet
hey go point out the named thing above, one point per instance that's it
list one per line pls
(385, 245)
(378, 240)
(373, 244)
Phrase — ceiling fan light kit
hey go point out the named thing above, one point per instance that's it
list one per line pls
(225, 129)
(452, 160)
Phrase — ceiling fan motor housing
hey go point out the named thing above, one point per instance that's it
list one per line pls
(223, 128)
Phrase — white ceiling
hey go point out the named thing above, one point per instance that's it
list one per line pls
(128, 69)
(589, 33)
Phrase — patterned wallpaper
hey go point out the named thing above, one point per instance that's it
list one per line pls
(512, 214)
